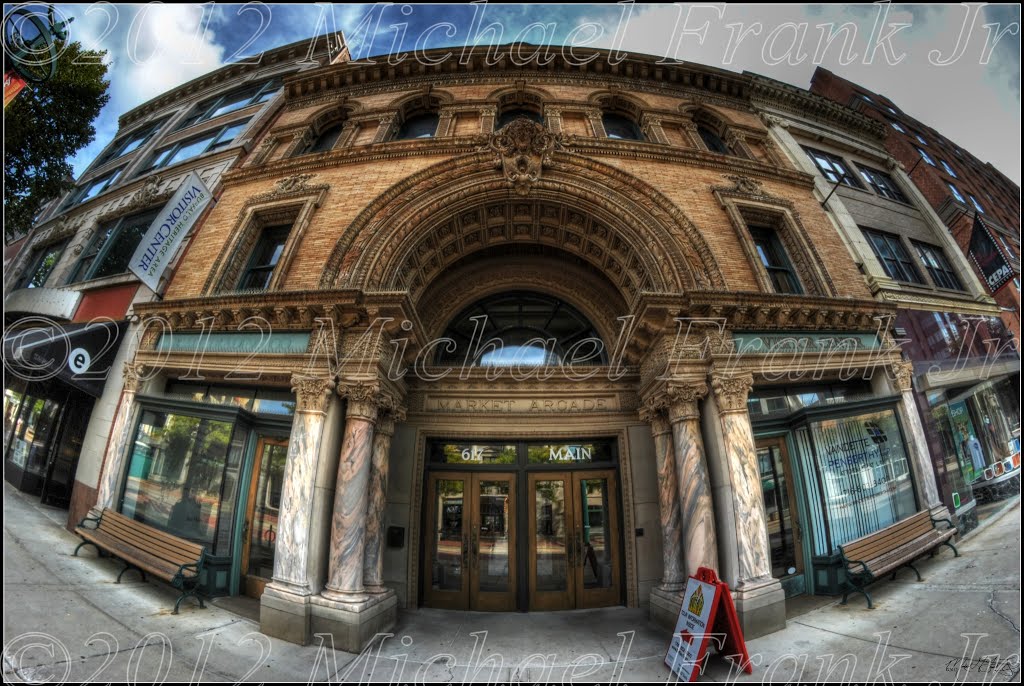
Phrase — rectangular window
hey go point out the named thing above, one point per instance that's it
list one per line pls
(977, 205)
(920, 139)
(832, 167)
(898, 127)
(949, 169)
(265, 257)
(956, 192)
(177, 471)
(883, 184)
(894, 258)
(42, 265)
(230, 102)
(938, 266)
(774, 259)
(865, 474)
(186, 150)
(93, 188)
(112, 247)
(924, 156)
(130, 143)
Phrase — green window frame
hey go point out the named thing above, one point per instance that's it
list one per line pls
(188, 149)
(938, 266)
(894, 258)
(43, 261)
(833, 168)
(883, 184)
(232, 101)
(112, 247)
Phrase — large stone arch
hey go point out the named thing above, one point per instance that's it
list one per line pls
(607, 217)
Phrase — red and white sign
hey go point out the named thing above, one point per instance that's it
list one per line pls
(12, 86)
(707, 616)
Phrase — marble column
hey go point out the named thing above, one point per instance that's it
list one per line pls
(759, 598)
(700, 541)
(120, 428)
(291, 549)
(373, 561)
(351, 496)
(917, 442)
(673, 578)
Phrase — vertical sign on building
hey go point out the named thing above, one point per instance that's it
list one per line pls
(13, 84)
(168, 230)
(990, 260)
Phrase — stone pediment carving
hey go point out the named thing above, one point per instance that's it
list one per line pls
(144, 198)
(521, 149)
(290, 187)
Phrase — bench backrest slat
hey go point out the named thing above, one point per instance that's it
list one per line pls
(873, 545)
(150, 540)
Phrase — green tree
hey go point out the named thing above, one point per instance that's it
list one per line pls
(44, 127)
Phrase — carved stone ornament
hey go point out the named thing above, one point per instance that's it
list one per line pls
(683, 400)
(143, 199)
(363, 400)
(133, 376)
(744, 185)
(903, 374)
(311, 392)
(293, 183)
(522, 148)
(731, 390)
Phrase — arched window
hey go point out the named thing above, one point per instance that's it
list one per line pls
(712, 140)
(514, 113)
(621, 127)
(521, 329)
(326, 140)
(422, 125)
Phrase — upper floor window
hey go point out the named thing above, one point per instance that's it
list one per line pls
(938, 266)
(898, 127)
(326, 141)
(949, 169)
(112, 247)
(977, 205)
(925, 157)
(521, 328)
(42, 264)
(129, 143)
(956, 192)
(229, 102)
(91, 189)
(775, 261)
(265, 256)
(193, 147)
(883, 184)
(510, 114)
(894, 258)
(920, 139)
(621, 127)
(713, 141)
(833, 167)
(419, 126)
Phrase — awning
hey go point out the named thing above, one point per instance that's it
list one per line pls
(80, 355)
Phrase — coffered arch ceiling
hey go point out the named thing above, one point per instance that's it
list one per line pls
(414, 231)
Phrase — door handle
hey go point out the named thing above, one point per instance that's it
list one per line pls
(570, 549)
(475, 547)
(579, 548)
(465, 553)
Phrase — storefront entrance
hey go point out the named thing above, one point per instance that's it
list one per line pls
(785, 539)
(542, 537)
(261, 518)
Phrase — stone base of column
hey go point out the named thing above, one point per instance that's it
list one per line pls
(665, 607)
(353, 621)
(761, 606)
(285, 615)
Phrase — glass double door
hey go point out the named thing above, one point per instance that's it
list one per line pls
(565, 557)
(261, 516)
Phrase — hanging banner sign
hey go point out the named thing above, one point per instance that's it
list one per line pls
(168, 230)
(707, 616)
(13, 84)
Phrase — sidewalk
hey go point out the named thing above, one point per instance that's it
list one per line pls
(66, 620)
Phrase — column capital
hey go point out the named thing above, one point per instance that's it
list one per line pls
(133, 375)
(903, 375)
(311, 392)
(390, 413)
(683, 398)
(363, 399)
(731, 390)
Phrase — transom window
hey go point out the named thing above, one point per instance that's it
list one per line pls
(883, 184)
(938, 266)
(894, 258)
(521, 329)
(833, 168)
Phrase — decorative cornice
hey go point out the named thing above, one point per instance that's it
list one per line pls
(771, 94)
(731, 390)
(312, 393)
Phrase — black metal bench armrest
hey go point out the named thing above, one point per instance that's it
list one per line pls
(943, 519)
(95, 520)
(847, 561)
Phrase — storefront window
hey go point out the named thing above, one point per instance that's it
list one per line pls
(257, 400)
(182, 477)
(864, 473)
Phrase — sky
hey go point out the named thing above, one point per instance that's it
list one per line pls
(953, 67)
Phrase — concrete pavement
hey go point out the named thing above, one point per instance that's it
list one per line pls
(65, 619)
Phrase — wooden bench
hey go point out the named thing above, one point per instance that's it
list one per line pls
(892, 548)
(145, 549)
